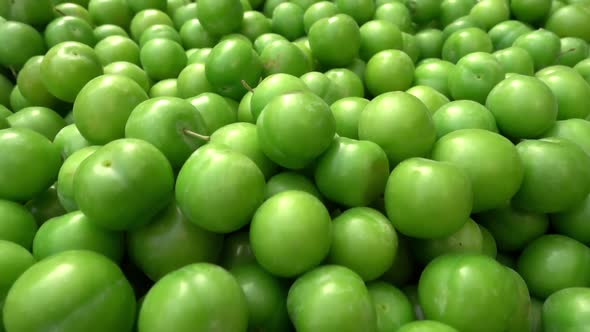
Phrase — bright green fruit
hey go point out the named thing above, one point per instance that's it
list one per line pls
(65, 178)
(210, 298)
(570, 88)
(220, 17)
(567, 310)
(29, 165)
(103, 299)
(130, 176)
(463, 114)
(286, 181)
(428, 199)
(335, 41)
(474, 76)
(278, 227)
(542, 45)
(429, 96)
(346, 112)
(219, 189)
(386, 64)
(20, 42)
(18, 224)
(391, 305)
(331, 298)
(31, 85)
(169, 242)
(465, 41)
(515, 60)
(103, 106)
(40, 119)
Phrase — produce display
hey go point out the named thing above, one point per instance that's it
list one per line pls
(294, 165)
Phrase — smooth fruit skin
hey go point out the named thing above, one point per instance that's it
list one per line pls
(131, 71)
(14, 261)
(69, 140)
(429, 96)
(573, 50)
(230, 62)
(543, 46)
(69, 28)
(67, 67)
(530, 11)
(278, 228)
(317, 11)
(162, 58)
(74, 231)
(31, 86)
(426, 326)
(488, 13)
(363, 240)
(146, 18)
(549, 254)
(18, 224)
(215, 110)
(104, 105)
(470, 292)
(220, 17)
(467, 148)
(243, 138)
(115, 12)
(219, 189)
(266, 296)
(331, 298)
(505, 33)
(400, 124)
(65, 177)
(29, 166)
(397, 13)
(169, 242)
(117, 48)
(346, 112)
(474, 76)
(352, 173)
(20, 42)
(465, 41)
(570, 89)
(524, 107)
(210, 299)
(379, 35)
(463, 114)
(130, 176)
(512, 228)
(286, 181)
(160, 31)
(434, 73)
(322, 86)
(467, 239)
(162, 122)
(552, 165)
(273, 86)
(287, 20)
(75, 290)
(391, 305)
(428, 199)
(335, 41)
(515, 60)
(570, 21)
(573, 223)
(282, 56)
(386, 64)
(567, 310)
(295, 128)
(43, 120)
(193, 82)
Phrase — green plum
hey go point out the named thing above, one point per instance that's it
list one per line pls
(434, 73)
(286, 181)
(192, 81)
(287, 20)
(552, 165)
(530, 11)
(74, 231)
(386, 64)
(18, 225)
(131, 71)
(211, 299)
(542, 45)
(171, 235)
(30, 163)
(515, 60)
(474, 76)
(31, 85)
(317, 11)
(113, 12)
(67, 67)
(159, 31)
(236, 250)
(566, 310)
(255, 24)
(392, 306)
(429, 96)
(215, 205)
(463, 114)
(346, 112)
(426, 326)
(278, 227)
(450, 10)
(331, 298)
(20, 42)
(467, 148)
(576, 130)
(103, 106)
(164, 122)
(351, 172)
(361, 10)
(428, 199)
(430, 43)
(162, 58)
(69, 28)
(505, 33)
(65, 177)
(220, 17)
(271, 87)
(470, 292)
(570, 89)
(335, 41)
(266, 296)
(103, 298)
(464, 42)
(573, 50)
(146, 18)
(551, 253)
(488, 13)
(571, 20)
(397, 13)
(512, 228)
(400, 124)
(295, 128)
(243, 138)
(363, 240)
(523, 106)
(215, 111)
(282, 56)
(43, 120)
(130, 176)
(193, 35)
(379, 35)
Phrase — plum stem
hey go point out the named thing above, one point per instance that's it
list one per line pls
(196, 135)
(59, 11)
(246, 86)
(565, 52)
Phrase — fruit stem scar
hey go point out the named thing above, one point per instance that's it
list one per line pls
(197, 135)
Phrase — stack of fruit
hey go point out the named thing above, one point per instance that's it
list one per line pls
(294, 165)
